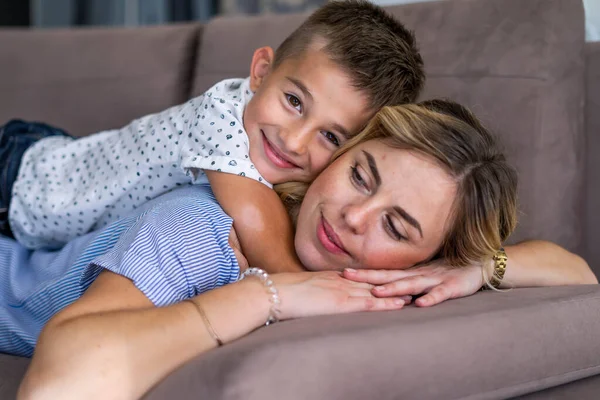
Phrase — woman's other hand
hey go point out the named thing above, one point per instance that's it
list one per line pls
(530, 264)
(436, 282)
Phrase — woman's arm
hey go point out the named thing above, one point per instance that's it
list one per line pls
(531, 263)
(98, 345)
(542, 263)
(113, 343)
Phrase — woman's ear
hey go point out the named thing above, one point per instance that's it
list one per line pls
(262, 62)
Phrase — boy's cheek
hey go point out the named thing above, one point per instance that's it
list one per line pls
(314, 173)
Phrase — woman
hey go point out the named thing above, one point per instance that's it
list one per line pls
(421, 183)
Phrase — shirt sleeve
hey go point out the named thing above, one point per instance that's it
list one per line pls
(219, 142)
(173, 254)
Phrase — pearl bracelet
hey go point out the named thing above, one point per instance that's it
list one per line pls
(274, 299)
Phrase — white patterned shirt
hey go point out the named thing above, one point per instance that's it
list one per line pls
(67, 187)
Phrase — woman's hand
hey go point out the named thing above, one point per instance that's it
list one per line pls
(321, 293)
(436, 281)
(530, 264)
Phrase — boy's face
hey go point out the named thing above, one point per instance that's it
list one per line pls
(301, 113)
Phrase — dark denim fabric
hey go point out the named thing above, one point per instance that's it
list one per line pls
(15, 138)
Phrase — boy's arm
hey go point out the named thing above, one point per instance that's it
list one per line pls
(261, 222)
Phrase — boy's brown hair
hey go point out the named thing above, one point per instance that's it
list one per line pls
(375, 49)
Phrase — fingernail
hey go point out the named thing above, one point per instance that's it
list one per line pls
(406, 298)
(350, 270)
(398, 302)
(379, 288)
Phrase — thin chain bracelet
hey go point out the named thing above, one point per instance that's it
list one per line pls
(274, 299)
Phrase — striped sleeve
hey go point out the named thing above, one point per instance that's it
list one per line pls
(174, 252)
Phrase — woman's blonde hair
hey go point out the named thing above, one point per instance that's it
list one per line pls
(485, 208)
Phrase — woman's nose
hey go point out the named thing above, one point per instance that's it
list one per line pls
(356, 216)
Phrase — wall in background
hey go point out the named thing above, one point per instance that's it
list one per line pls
(57, 13)
(592, 19)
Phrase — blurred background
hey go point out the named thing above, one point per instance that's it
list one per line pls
(64, 13)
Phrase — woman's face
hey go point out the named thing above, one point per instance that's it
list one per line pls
(375, 207)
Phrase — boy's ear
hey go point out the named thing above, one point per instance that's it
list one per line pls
(262, 61)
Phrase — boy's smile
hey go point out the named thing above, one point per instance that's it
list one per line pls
(276, 156)
(301, 113)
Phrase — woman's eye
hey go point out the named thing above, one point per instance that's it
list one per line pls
(392, 229)
(332, 138)
(357, 177)
(294, 102)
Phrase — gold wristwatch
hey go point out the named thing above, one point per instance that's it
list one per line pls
(500, 260)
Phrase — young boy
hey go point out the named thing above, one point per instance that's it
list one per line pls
(281, 124)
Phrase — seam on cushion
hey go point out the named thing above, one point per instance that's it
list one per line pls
(578, 300)
(514, 390)
(189, 76)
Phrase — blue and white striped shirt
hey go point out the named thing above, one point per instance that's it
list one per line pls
(172, 248)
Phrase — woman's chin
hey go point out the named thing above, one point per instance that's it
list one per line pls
(316, 267)
(315, 261)
(312, 267)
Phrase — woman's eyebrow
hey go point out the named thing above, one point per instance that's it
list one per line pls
(373, 167)
(409, 218)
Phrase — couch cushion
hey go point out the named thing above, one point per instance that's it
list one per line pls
(488, 346)
(87, 80)
(592, 113)
(12, 370)
(517, 63)
(228, 43)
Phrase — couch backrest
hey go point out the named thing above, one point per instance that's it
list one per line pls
(517, 63)
(87, 80)
(592, 113)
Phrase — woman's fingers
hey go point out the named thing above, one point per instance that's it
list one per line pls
(409, 286)
(361, 285)
(357, 304)
(376, 276)
(437, 295)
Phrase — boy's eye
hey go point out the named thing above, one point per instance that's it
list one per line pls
(332, 138)
(294, 102)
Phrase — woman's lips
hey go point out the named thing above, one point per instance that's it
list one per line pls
(329, 239)
(275, 155)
